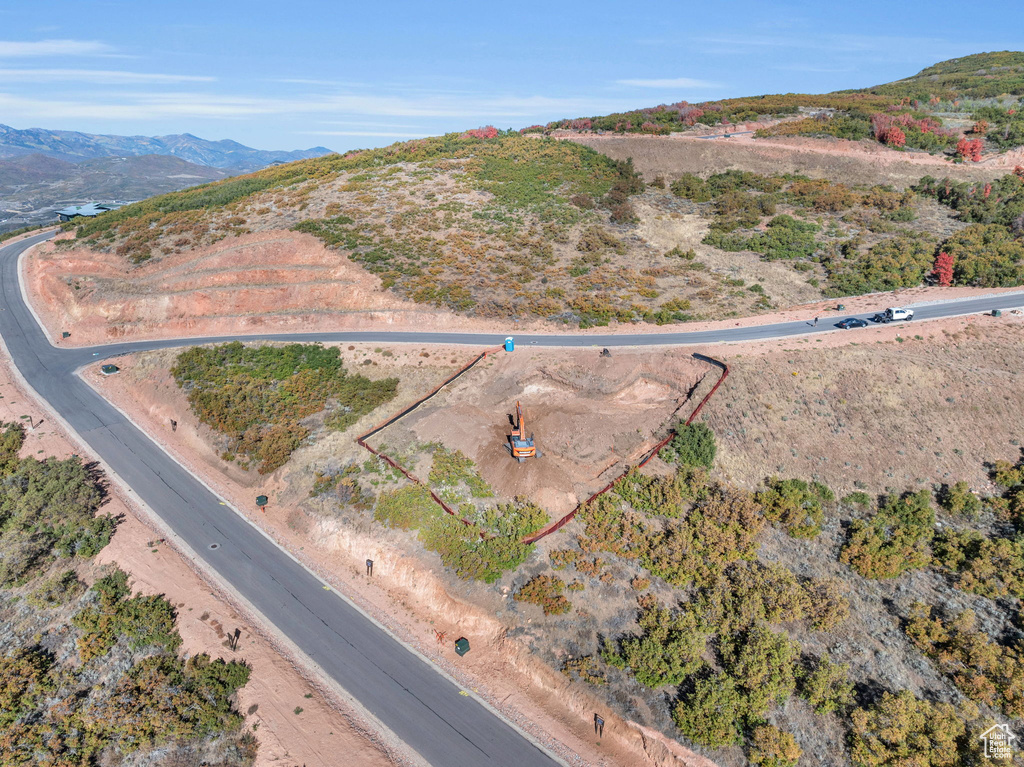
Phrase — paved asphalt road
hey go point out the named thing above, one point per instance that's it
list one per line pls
(421, 706)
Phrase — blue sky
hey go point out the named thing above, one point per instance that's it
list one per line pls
(290, 75)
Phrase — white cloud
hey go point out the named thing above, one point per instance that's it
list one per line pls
(96, 76)
(148, 105)
(677, 82)
(15, 48)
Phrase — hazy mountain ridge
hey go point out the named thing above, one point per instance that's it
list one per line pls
(33, 186)
(74, 146)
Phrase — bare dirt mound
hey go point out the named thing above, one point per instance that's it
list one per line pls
(591, 417)
(847, 161)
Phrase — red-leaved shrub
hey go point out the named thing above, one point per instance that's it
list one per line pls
(943, 271)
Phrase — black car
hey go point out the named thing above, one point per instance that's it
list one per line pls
(852, 322)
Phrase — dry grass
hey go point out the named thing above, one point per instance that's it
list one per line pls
(928, 410)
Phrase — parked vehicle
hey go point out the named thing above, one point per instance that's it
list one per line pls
(889, 315)
(852, 322)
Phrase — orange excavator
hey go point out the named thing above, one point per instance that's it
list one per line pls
(522, 447)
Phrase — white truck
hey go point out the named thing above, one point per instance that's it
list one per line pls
(892, 314)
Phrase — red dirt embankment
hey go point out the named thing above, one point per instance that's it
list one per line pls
(210, 292)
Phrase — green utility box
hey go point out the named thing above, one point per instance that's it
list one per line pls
(462, 646)
(997, 312)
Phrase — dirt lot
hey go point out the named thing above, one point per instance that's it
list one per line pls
(839, 160)
(592, 415)
(326, 726)
(411, 592)
(895, 406)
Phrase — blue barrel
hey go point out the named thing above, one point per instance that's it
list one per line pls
(510, 345)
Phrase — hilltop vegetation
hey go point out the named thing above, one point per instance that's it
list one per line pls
(867, 240)
(909, 113)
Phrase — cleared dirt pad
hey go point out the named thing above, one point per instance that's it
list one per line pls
(591, 415)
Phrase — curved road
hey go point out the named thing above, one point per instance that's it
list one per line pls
(421, 706)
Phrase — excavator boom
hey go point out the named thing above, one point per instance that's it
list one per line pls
(522, 446)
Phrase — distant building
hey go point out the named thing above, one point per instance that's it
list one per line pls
(89, 210)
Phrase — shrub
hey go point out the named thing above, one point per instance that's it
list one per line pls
(452, 469)
(47, 510)
(983, 670)
(943, 271)
(484, 558)
(748, 593)
(722, 528)
(1003, 204)
(712, 714)
(144, 620)
(959, 500)
(903, 729)
(545, 591)
(899, 262)
(692, 445)
(794, 505)
(58, 590)
(486, 132)
(990, 567)
(664, 496)
(826, 686)
(895, 540)
(828, 606)
(763, 664)
(406, 508)
(165, 699)
(986, 255)
(771, 747)
(691, 187)
(669, 649)
(257, 396)
(585, 669)
(969, 149)
(609, 527)
(23, 681)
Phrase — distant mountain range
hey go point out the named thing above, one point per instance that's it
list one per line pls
(41, 170)
(72, 146)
